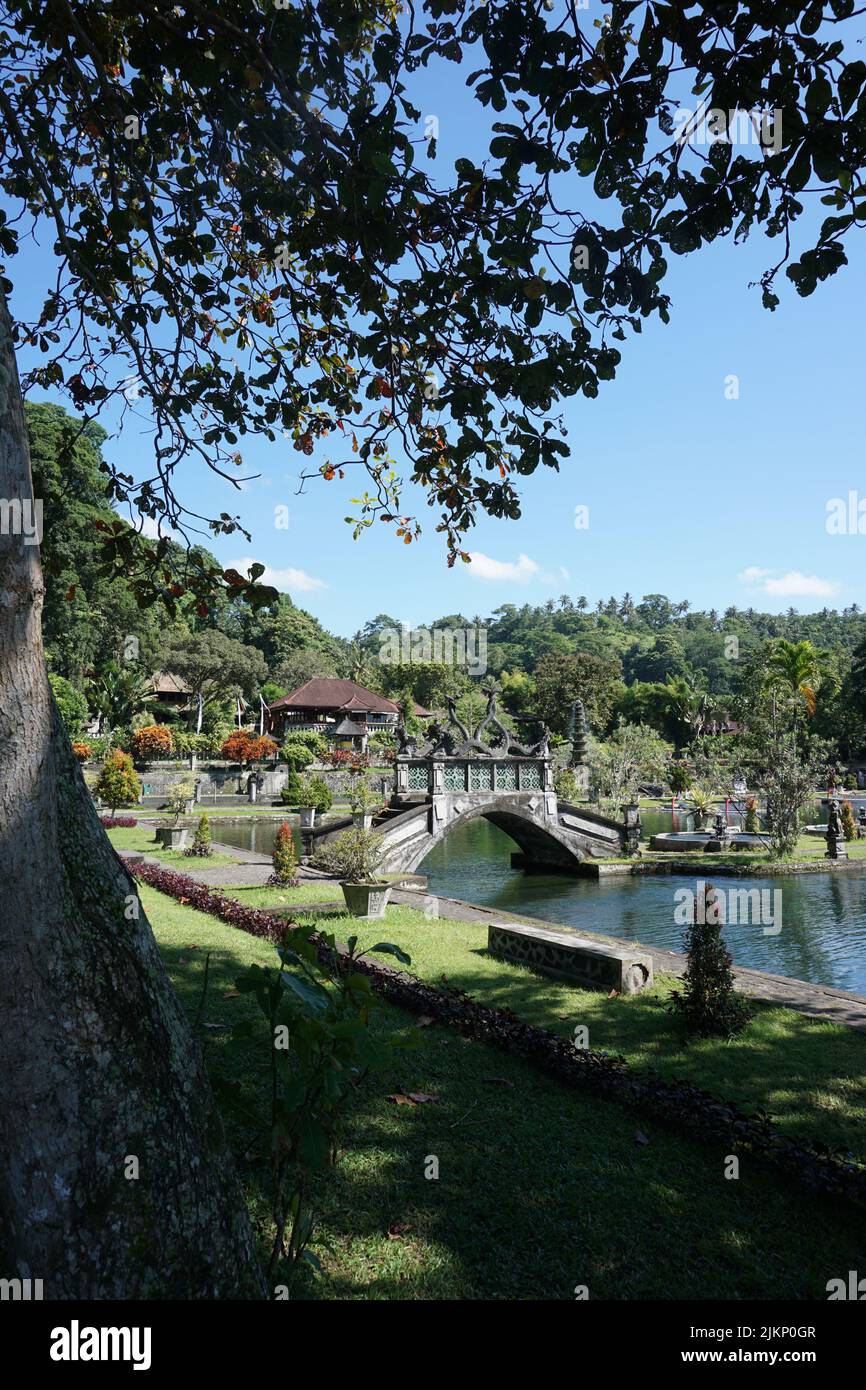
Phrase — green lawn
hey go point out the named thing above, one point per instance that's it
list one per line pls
(808, 1074)
(540, 1189)
(282, 900)
(140, 838)
(810, 848)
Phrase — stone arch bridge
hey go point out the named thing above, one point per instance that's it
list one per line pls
(457, 777)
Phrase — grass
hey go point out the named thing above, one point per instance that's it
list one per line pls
(809, 848)
(808, 1074)
(282, 900)
(539, 1189)
(140, 838)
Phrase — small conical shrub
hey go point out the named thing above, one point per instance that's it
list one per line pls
(708, 1003)
(200, 847)
(750, 824)
(849, 824)
(285, 860)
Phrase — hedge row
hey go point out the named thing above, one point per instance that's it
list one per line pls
(676, 1104)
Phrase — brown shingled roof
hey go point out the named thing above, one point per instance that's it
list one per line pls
(326, 692)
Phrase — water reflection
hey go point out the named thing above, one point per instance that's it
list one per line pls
(823, 936)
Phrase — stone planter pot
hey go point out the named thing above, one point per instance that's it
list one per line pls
(308, 817)
(366, 899)
(362, 820)
(172, 837)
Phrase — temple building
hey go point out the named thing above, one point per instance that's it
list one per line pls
(345, 712)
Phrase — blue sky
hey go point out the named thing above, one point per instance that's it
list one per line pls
(718, 501)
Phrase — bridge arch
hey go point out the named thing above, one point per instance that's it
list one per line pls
(410, 837)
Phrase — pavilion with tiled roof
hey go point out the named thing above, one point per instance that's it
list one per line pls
(327, 704)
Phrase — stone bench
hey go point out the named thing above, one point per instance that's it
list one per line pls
(565, 953)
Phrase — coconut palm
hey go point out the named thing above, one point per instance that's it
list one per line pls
(799, 669)
(686, 708)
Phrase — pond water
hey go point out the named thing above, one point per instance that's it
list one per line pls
(822, 916)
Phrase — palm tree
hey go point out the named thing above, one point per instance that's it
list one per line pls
(117, 695)
(799, 668)
(687, 708)
(357, 663)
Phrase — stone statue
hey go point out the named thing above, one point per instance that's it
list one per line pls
(491, 720)
(836, 847)
(407, 744)
(541, 749)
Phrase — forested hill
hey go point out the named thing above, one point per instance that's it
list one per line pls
(650, 640)
(626, 658)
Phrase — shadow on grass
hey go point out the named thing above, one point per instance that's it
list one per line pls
(808, 1074)
(539, 1189)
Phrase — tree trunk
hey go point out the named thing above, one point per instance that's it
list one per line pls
(99, 1064)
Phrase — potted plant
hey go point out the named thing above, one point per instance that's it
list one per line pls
(174, 835)
(363, 801)
(353, 859)
(702, 803)
(307, 799)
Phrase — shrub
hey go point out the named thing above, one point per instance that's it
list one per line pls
(293, 790)
(200, 744)
(212, 741)
(151, 742)
(316, 744)
(118, 822)
(314, 791)
(708, 1004)
(117, 783)
(297, 754)
(565, 785)
(363, 799)
(382, 746)
(201, 846)
(750, 822)
(285, 860)
(71, 704)
(342, 757)
(323, 800)
(353, 856)
(82, 751)
(679, 777)
(849, 824)
(241, 747)
(179, 798)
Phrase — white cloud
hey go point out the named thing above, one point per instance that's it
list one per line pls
(151, 527)
(794, 584)
(284, 580)
(797, 585)
(483, 567)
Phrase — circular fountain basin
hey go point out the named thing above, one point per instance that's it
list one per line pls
(694, 841)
